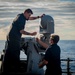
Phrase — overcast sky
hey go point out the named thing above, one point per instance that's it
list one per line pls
(63, 12)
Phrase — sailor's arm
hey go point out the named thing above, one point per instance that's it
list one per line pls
(27, 33)
(36, 17)
(41, 64)
(42, 43)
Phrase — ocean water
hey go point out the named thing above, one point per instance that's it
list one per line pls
(67, 48)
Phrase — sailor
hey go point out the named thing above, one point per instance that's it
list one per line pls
(12, 54)
(52, 56)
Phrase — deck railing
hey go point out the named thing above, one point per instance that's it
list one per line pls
(68, 72)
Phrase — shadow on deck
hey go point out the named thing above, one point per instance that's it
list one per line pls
(23, 68)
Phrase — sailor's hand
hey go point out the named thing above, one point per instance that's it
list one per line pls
(37, 39)
(41, 16)
(33, 34)
(40, 65)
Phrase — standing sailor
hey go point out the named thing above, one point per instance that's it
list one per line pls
(12, 55)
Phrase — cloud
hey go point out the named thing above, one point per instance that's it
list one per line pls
(62, 12)
(3, 32)
(26, 0)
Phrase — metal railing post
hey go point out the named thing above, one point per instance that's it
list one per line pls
(68, 67)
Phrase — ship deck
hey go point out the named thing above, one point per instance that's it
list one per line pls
(66, 71)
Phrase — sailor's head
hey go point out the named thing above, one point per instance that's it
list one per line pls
(54, 39)
(28, 13)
